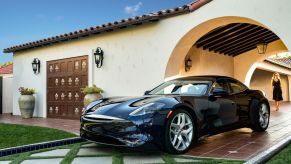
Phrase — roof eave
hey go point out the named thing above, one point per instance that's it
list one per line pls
(81, 33)
(112, 26)
(278, 64)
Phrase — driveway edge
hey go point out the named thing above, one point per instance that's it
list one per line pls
(37, 146)
(269, 153)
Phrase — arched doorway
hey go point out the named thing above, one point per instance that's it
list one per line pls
(185, 44)
(223, 46)
(188, 41)
(261, 80)
(274, 48)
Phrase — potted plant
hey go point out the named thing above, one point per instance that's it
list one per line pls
(26, 102)
(92, 93)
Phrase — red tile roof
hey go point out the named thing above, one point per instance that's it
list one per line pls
(7, 69)
(285, 62)
(116, 25)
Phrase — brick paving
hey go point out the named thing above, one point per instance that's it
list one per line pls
(243, 144)
(239, 144)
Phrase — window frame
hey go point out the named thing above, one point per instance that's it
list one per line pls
(208, 82)
(238, 82)
(225, 80)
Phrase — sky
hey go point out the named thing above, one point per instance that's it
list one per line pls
(22, 21)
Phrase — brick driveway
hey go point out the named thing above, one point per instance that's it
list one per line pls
(243, 143)
(239, 144)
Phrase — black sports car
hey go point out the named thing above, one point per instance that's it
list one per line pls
(175, 114)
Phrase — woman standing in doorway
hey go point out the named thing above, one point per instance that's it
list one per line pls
(277, 91)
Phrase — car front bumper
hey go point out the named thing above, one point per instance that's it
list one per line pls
(114, 131)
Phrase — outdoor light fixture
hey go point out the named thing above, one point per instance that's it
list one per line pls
(262, 47)
(36, 65)
(98, 54)
(188, 64)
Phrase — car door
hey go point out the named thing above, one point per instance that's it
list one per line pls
(222, 107)
(240, 92)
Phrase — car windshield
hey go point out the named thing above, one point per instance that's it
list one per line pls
(189, 87)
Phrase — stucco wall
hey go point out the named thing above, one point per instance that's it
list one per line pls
(221, 12)
(136, 59)
(261, 80)
(207, 63)
(272, 67)
(289, 84)
(245, 64)
(7, 98)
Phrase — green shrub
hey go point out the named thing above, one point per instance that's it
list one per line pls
(26, 91)
(91, 89)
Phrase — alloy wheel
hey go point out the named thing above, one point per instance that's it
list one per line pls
(264, 115)
(181, 131)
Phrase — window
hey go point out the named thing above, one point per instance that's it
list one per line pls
(189, 87)
(221, 84)
(236, 86)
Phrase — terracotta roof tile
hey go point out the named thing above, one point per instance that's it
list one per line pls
(285, 62)
(8, 69)
(146, 18)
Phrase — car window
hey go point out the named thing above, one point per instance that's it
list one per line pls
(189, 87)
(193, 89)
(222, 84)
(236, 86)
(168, 89)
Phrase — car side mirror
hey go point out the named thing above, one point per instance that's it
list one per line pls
(146, 92)
(219, 92)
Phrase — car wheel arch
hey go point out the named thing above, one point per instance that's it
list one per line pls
(267, 102)
(253, 102)
(189, 109)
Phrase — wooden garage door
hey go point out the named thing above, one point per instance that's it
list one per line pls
(65, 78)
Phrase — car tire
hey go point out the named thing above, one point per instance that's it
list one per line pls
(179, 136)
(259, 116)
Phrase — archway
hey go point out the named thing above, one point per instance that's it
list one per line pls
(184, 45)
(232, 64)
(257, 63)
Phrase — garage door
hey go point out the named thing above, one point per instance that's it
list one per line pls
(65, 78)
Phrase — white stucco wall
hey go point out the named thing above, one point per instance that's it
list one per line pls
(134, 61)
(7, 96)
(136, 58)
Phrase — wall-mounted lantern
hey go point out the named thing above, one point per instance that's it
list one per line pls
(262, 47)
(188, 64)
(36, 65)
(98, 54)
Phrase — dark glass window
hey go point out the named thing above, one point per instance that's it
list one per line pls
(179, 87)
(236, 86)
(221, 84)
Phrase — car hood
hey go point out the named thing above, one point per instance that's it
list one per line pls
(121, 107)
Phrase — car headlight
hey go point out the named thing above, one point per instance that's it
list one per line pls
(148, 108)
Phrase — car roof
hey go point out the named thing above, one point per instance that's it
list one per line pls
(203, 77)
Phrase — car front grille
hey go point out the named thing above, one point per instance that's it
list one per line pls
(101, 124)
(103, 119)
